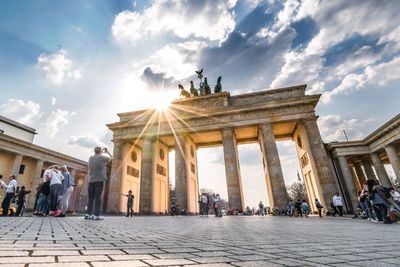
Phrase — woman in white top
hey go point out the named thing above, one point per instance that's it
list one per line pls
(11, 189)
(55, 176)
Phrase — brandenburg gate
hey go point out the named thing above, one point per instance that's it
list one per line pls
(142, 140)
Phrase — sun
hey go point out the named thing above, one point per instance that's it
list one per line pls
(162, 101)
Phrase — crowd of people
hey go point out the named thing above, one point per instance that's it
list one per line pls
(376, 202)
(211, 202)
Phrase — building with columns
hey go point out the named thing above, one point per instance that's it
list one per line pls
(142, 140)
(357, 161)
(19, 156)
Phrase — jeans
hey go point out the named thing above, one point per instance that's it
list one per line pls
(20, 208)
(66, 196)
(95, 190)
(6, 203)
(42, 203)
(338, 209)
(130, 210)
(381, 212)
(55, 193)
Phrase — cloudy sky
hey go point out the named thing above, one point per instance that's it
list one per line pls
(67, 67)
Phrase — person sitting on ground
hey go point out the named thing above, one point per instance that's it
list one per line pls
(319, 207)
(305, 208)
(21, 201)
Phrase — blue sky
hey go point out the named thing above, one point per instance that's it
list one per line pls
(67, 67)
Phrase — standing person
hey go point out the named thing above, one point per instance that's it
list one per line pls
(22, 200)
(129, 203)
(11, 189)
(379, 201)
(203, 204)
(218, 204)
(395, 195)
(42, 205)
(55, 176)
(97, 176)
(338, 205)
(319, 207)
(68, 185)
(297, 207)
(291, 207)
(2, 184)
(261, 209)
(213, 197)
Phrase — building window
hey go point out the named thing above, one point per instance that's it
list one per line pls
(21, 169)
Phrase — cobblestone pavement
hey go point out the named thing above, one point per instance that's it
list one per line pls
(181, 241)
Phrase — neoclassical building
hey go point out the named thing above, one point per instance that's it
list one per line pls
(142, 140)
(357, 161)
(19, 156)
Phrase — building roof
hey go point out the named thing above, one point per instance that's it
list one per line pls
(17, 124)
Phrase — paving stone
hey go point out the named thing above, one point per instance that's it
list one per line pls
(82, 258)
(134, 263)
(232, 241)
(62, 264)
(167, 262)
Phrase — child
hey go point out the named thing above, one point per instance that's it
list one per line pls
(21, 200)
(131, 197)
(306, 209)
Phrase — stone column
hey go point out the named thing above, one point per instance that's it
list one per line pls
(322, 166)
(368, 169)
(360, 173)
(116, 175)
(232, 169)
(181, 186)
(16, 165)
(348, 180)
(394, 160)
(146, 176)
(380, 170)
(273, 171)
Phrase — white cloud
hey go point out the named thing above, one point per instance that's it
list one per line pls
(210, 19)
(375, 75)
(57, 119)
(25, 112)
(332, 126)
(58, 68)
(53, 101)
(86, 141)
(337, 21)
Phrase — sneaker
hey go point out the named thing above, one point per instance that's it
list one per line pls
(97, 218)
(88, 217)
(57, 213)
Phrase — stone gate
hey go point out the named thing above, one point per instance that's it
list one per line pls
(142, 140)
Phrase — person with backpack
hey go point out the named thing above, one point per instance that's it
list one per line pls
(319, 207)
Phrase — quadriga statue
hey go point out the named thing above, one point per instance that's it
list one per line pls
(218, 86)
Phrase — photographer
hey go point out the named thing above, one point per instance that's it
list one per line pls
(97, 176)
